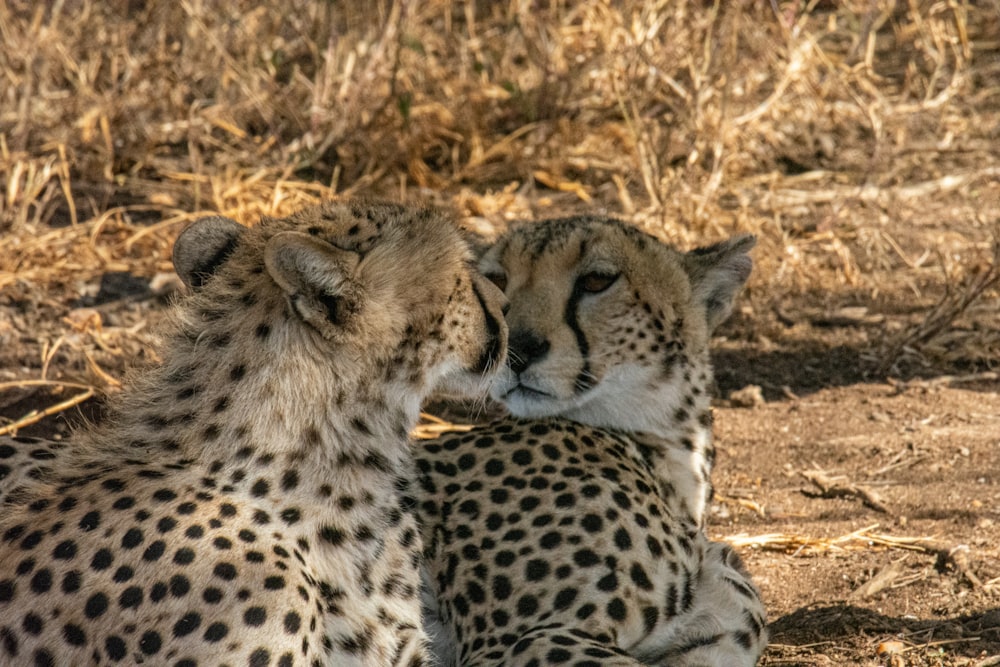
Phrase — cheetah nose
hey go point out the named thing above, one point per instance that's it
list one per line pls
(525, 348)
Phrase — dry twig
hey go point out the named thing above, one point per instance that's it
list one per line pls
(840, 488)
(805, 545)
(36, 416)
(951, 306)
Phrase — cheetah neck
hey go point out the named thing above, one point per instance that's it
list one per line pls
(683, 467)
(643, 398)
(281, 403)
(671, 421)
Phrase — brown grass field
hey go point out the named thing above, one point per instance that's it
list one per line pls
(858, 416)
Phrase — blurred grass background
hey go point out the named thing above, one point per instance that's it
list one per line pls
(858, 139)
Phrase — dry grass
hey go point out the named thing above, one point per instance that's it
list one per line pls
(805, 546)
(809, 125)
(857, 138)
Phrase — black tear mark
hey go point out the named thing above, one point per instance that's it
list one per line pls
(585, 379)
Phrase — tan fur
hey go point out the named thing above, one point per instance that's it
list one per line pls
(248, 501)
(632, 357)
(570, 533)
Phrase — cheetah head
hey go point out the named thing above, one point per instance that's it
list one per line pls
(608, 325)
(372, 292)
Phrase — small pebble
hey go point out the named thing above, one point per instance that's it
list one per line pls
(750, 396)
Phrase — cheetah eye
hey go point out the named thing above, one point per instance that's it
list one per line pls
(595, 282)
(498, 279)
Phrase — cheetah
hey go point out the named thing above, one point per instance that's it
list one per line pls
(247, 502)
(23, 459)
(572, 531)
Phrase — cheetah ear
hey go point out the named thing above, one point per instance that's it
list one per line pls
(317, 277)
(476, 240)
(203, 247)
(717, 274)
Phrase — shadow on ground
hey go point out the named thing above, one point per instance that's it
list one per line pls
(816, 629)
(803, 370)
(808, 367)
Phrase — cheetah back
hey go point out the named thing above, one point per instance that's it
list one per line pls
(540, 529)
(23, 460)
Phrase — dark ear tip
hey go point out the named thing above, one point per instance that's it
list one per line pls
(740, 243)
(744, 242)
(203, 247)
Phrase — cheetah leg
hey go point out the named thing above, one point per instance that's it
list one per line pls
(443, 642)
(412, 651)
(559, 646)
(727, 626)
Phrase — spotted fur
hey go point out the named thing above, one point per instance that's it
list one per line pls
(22, 460)
(571, 532)
(248, 501)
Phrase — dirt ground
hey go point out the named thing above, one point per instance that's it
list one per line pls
(902, 560)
